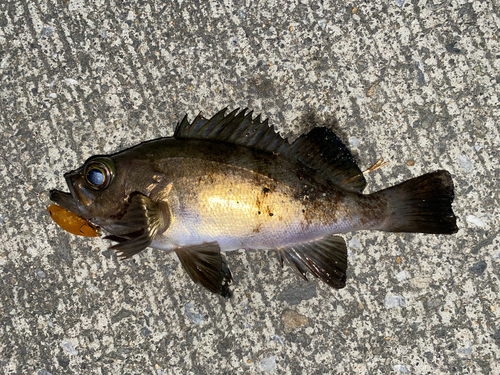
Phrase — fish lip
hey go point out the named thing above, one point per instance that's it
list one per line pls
(65, 200)
(68, 201)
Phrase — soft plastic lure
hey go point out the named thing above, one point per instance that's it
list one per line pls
(72, 223)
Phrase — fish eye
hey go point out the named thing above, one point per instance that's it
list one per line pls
(99, 173)
(96, 176)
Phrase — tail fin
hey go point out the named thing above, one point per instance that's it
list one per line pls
(420, 205)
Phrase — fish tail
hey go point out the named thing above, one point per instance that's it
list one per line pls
(420, 205)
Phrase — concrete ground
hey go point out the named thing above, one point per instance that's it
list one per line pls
(415, 82)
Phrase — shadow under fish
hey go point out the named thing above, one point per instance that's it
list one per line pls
(232, 182)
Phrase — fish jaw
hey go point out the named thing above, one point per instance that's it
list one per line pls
(65, 200)
(71, 201)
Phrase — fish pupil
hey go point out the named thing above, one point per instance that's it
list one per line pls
(95, 177)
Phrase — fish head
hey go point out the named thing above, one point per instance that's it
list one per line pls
(113, 192)
(97, 191)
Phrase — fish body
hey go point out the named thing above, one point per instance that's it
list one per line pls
(239, 197)
(231, 182)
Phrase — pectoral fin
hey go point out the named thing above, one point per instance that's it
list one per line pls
(144, 217)
(325, 258)
(204, 264)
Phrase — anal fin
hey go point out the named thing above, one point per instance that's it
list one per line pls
(325, 258)
(205, 266)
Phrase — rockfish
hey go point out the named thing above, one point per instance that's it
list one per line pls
(232, 182)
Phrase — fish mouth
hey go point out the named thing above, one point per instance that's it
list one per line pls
(68, 201)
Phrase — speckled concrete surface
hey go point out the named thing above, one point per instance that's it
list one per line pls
(414, 82)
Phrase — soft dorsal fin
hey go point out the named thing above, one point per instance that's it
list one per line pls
(319, 149)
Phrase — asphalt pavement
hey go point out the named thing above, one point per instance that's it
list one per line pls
(414, 82)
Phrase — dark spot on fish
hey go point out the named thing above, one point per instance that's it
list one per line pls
(258, 204)
(258, 212)
(303, 211)
(266, 190)
(271, 214)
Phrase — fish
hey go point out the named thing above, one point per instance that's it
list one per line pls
(233, 182)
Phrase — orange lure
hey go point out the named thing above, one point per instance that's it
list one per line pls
(72, 223)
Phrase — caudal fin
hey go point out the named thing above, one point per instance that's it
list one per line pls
(421, 205)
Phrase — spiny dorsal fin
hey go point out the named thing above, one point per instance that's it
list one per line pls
(325, 258)
(320, 149)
